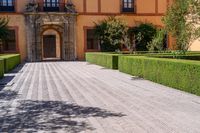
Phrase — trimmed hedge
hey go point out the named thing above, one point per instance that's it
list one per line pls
(103, 59)
(186, 57)
(10, 61)
(181, 74)
(1, 68)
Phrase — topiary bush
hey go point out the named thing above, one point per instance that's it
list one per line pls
(10, 61)
(103, 59)
(181, 74)
(1, 68)
(186, 57)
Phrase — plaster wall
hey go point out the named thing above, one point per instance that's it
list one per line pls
(90, 12)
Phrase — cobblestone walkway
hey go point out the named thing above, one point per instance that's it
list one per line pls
(73, 97)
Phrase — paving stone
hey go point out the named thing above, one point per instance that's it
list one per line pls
(73, 97)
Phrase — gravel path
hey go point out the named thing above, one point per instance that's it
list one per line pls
(73, 97)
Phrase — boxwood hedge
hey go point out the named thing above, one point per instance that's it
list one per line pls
(103, 59)
(186, 57)
(10, 61)
(181, 74)
(1, 68)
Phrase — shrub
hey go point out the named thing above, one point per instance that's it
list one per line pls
(186, 57)
(111, 32)
(157, 43)
(144, 34)
(10, 61)
(181, 74)
(103, 59)
(1, 68)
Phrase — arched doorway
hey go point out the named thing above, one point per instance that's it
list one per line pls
(63, 26)
(51, 45)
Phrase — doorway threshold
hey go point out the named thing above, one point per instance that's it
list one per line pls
(51, 59)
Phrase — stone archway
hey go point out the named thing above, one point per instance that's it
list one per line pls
(65, 24)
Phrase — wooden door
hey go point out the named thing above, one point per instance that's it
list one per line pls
(49, 46)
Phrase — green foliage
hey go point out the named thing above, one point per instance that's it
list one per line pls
(181, 21)
(164, 71)
(3, 28)
(157, 42)
(10, 61)
(111, 32)
(143, 34)
(171, 56)
(1, 68)
(103, 59)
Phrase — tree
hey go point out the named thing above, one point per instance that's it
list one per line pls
(182, 21)
(4, 28)
(142, 35)
(112, 33)
(157, 43)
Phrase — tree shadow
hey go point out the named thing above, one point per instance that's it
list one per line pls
(8, 77)
(136, 78)
(17, 69)
(7, 95)
(51, 116)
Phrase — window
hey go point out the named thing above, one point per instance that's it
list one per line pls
(9, 45)
(51, 5)
(92, 41)
(7, 5)
(127, 6)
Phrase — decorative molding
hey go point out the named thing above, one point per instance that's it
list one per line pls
(84, 6)
(99, 6)
(37, 23)
(156, 6)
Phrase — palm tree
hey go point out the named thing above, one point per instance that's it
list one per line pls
(4, 31)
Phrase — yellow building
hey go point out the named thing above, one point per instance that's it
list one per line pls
(62, 29)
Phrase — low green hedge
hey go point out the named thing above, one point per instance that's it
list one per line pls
(103, 59)
(10, 61)
(181, 74)
(186, 57)
(1, 68)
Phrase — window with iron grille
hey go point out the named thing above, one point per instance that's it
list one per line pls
(127, 5)
(92, 41)
(7, 5)
(9, 45)
(51, 5)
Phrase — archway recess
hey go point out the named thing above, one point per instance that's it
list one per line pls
(64, 24)
(51, 45)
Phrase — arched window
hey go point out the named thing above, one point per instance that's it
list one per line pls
(7, 5)
(127, 5)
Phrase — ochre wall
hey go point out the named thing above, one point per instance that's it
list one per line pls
(17, 22)
(195, 46)
(88, 21)
(150, 11)
(149, 6)
(90, 11)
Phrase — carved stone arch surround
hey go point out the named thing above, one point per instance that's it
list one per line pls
(64, 23)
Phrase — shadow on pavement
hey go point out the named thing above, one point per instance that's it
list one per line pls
(51, 116)
(8, 77)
